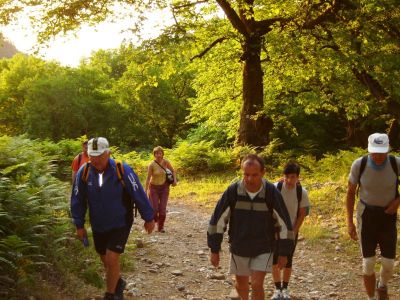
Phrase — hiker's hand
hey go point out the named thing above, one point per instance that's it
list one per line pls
(393, 206)
(282, 261)
(174, 183)
(149, 226)
(296, 230)
(352, 231)
(81, 233)
(214, 259)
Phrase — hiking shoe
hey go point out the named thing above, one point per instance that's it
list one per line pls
(108, 296)
(277, 295)
(381, 292)
(285, 294)
(119, 289)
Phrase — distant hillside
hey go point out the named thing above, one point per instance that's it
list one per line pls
(7, 49)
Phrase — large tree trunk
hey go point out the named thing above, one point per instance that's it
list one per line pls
(254, 124)
(391, 105)
(356, 136)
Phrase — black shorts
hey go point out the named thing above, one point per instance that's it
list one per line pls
(114, 240)
(378, 228)
(289, 257)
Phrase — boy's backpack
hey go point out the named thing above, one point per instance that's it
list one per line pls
(299, 193)
(128, 203)
(393, 163)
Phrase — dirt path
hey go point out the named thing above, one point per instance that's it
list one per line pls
(321, 271)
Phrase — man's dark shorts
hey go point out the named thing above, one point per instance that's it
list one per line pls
(378, 228)
(289, 257)
(114, 240)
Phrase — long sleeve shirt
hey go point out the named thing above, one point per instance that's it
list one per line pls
(103, 195)
(253, 223)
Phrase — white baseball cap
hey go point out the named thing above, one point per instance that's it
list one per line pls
(97, 146)
(378, 143)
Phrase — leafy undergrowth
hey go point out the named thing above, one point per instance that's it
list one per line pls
(38, 247)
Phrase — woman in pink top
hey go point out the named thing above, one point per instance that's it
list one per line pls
(157, 186)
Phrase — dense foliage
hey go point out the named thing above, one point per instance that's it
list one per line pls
(36, 235)
(329, 74)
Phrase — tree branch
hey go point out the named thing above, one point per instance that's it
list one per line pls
(189, 4)
(233, 17)
(326, 16)
(204, 52)
(264, 26)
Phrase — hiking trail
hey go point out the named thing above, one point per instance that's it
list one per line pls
(175, 264)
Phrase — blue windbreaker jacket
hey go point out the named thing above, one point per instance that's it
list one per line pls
(106, 208)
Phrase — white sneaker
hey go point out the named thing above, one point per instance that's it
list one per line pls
(277, 295)
(285, 294)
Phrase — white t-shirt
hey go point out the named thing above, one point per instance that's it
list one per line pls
(253, 195)
(291, 202)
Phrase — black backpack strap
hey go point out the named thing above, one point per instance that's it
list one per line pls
(362, 168)
(364, 160)
(268, 200)
(299, 192)
(232, 196)
(79, 159)
(280, 185)
(85, 173)
(130, 205)
(120, 172)
(160, 166)
(393, 162)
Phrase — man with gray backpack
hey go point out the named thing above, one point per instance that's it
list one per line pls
(376, 176)
(297, 204)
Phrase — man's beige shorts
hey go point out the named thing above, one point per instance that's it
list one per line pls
(245, 266)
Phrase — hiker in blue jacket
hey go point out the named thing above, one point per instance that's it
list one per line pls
(109, 193)
(258, 219)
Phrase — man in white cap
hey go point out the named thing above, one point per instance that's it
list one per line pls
(376, 177)
(109, 193)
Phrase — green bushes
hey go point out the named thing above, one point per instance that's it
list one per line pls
(62, 154)
(35, 230)
(32, 206)
(202, 157)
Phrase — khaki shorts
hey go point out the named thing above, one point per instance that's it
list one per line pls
(245, 266)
